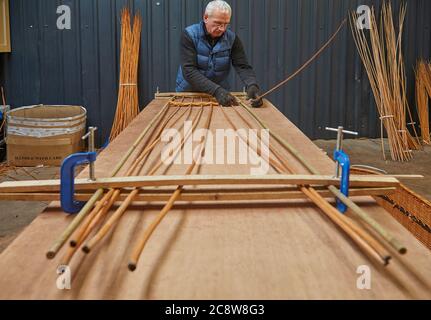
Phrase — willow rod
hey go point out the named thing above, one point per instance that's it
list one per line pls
(306, 63)
(349, 203)
(120, 211)
(369, 245)
(360, 237)
(78, 240)
(86, 230)
(423, 92)
(274, 163)
(141, 158)
(81, 230)
(128, 104)
(59, 242)
(137, 251)
(202, 195)
(95, 216)
(195, 104)
(383, 61)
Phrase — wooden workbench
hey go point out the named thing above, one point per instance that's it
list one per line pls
(276, 250)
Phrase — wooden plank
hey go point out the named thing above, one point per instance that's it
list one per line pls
(405, 176)
(228, 251)
(201, 195)
(193, 180)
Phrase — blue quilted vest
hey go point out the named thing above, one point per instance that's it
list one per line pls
(213, 63)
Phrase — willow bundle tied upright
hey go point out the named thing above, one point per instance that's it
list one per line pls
(128, 104)
(383, 61)
(423, 93)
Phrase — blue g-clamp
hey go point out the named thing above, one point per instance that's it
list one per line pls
(342, 160)
(67, 178)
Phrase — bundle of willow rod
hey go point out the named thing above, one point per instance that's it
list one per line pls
(423, 92)
(128, 104)
(101, 211)
(383, 61)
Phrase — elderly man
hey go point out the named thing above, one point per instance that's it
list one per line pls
(208, 49)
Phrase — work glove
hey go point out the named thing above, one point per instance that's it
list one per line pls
(252, 94)
(224, 98)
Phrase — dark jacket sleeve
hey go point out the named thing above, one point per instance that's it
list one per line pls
(241, 65)
(198, 81)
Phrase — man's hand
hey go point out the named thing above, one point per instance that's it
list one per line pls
(224, 98)
(252, 94)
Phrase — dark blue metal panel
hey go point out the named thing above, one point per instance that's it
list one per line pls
(81, 66)
(71, 57)
(107, 64)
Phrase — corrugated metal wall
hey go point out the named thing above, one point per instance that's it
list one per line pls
(81, 65)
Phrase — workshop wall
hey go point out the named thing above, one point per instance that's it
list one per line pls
(81, 65)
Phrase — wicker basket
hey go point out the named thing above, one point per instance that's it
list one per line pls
(408, 208)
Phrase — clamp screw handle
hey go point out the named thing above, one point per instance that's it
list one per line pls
(340, 134)
(90, 136)
(342, 129)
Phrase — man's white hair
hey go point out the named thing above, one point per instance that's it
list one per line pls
(219, 5)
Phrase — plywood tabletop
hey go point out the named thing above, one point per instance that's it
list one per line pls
(272, 250)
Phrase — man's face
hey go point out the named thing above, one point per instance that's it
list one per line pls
(217, 23)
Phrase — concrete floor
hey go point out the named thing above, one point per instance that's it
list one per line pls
(15, 216)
